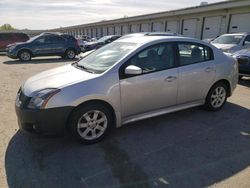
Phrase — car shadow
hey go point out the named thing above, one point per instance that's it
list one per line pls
(190, 148)
(40, 61)
(245, 81)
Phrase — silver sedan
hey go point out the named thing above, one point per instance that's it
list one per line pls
(128, 80)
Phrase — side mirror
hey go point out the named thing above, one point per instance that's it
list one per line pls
(243, 60)
(133, 70)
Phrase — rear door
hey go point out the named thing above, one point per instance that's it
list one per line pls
(196, 71)
(56, 44)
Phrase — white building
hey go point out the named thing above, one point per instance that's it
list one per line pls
(204, 21)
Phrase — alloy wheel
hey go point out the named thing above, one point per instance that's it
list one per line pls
(92, 125)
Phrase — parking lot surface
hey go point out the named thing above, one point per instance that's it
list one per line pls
(190, 148)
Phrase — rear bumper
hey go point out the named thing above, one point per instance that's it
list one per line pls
(44, 121)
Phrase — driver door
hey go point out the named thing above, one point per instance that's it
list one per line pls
(156, 87)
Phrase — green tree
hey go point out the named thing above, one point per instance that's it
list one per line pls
(6, 27)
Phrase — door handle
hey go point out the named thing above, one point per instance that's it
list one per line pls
(170, 78)
(208, 69)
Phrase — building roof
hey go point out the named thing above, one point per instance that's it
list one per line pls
(194, 9)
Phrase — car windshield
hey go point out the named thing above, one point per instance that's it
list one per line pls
(105, 57)
(228, 39)
(103, 39)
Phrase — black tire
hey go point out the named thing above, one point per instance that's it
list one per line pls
(24, 55)
(70, 54)
(210, 99)
(77, 116)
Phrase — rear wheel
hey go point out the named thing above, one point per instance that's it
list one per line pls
(24, 55)
(70, 54)
(216, 97)
(91, 123)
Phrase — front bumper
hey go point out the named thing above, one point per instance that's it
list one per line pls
(43, 121)
(11, 54)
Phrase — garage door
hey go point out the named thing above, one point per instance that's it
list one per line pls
(125, 29)
(135, 28)
(145, 27)
(240, 23)
(110, 30)
(117, 30)
(105, 31)
(99, 32)
(172, 27)
(189, 28)
(211, 27)
(158, 27)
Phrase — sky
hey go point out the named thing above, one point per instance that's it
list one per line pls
(49, 14)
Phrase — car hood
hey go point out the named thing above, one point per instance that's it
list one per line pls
(17, 43)
(244, 52)
(93, 43)
(224, 46)
(55, 78)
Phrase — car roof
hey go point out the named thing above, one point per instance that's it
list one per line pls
(143, 39)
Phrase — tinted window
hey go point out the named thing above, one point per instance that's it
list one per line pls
(54, 39)
(22, 36)
(155, 58)
(40, 40)
(5, 36)
(193, 53)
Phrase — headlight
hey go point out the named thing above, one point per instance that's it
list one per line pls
(41, 98)
(12, 48)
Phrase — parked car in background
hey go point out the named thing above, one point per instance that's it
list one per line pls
(82, 41)
(99, 43)
(7, 38)
(231, 43)
(45, 44)
(126, 81)
(243, 57)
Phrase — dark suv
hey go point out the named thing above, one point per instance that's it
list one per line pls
(99, 43)
(9, 38)
(45, 44)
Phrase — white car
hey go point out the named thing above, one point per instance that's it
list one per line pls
(231, 43)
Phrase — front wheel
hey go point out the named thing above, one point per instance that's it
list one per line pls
(70, 54)
(216, 97)
(24, 55)
(91, 123)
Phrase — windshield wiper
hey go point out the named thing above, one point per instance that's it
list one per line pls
(84, 68)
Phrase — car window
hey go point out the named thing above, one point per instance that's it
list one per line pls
(190, 53)
(40, 40)
(5, 36)
(154, 58)
(54, 39)
(228, 39)
(247, 40)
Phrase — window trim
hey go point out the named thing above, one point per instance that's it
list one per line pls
(122, 74)
(193, 43)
